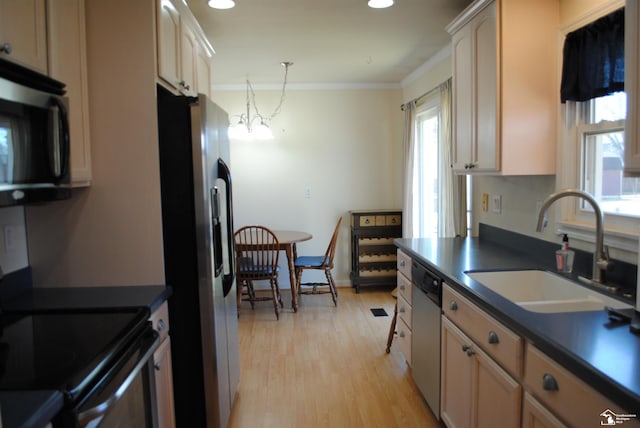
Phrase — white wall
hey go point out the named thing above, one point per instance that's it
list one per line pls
(344, 145)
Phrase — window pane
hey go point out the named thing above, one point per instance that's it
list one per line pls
(612, 107)
(602, 176)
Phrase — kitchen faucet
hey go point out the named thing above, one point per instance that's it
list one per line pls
(601, 260)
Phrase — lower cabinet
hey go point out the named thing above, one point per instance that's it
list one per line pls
(535, 415)
(163, 375)
(475, 390)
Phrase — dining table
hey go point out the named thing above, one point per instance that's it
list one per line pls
(287, 240)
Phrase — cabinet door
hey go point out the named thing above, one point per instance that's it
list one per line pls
(462, 101)
(632, 86)
(68, 63)
(23, 32)
(497, 395)
(188, 50)
(485, 153)
(456, 377)
(168, 37)
(203, 70)
(535, 415)
(164, 384)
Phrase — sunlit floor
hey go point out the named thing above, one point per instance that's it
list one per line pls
(324, 366)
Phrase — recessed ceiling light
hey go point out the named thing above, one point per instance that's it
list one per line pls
(380, 4)
(221, 4)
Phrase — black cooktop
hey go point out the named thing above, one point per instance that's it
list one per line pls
(62, 350)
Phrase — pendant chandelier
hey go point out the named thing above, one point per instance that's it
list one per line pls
(257, 126)
(380, 4)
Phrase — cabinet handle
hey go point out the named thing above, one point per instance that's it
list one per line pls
(468, 350)
(493, 337)
(157, 366)
(469, 165)
(6, 48)
(453, 305)
(401, 310)
(401, 334)
(549, 383)
(161, 325)
(184, 85)
(402, 263)
(402, 287)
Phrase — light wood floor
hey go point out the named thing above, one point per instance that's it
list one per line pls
(324, 366)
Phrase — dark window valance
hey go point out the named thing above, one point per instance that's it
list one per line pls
(593, 59)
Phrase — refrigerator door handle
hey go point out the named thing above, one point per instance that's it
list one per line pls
(227, 279)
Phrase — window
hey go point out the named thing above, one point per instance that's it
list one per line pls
(601, 132)
(425, 180)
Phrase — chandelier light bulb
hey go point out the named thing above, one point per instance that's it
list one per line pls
(380, 4)
(263, 132)
(221, 4)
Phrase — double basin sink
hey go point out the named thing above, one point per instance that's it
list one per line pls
(543, 291)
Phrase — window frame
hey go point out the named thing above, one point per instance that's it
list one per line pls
(620, 232)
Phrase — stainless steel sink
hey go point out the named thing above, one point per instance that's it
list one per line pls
(542, 291)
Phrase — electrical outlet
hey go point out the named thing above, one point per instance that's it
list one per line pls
(496, 204)
(485, 202)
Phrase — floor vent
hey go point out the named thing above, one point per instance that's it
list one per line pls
(379, 312)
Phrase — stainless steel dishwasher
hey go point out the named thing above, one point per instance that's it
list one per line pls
(425, 339)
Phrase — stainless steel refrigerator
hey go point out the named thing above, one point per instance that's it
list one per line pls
(197, 217)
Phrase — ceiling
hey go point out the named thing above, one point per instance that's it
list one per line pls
(333, 42)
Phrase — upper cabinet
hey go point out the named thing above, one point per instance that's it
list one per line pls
(184, 53)
(632, 86)
(23, 36)
(68, 63)
(505, 91)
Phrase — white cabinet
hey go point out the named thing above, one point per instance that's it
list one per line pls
(23, 36)
(184, 54)
(162, 365)
(405, 299)
(505, 87)
(632, 88)
(68, 63)
(482, 361)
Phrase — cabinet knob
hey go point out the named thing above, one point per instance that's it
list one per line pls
(549, 383)
(469, 165)
(6, 48)
(401, 334)
(468, 350)
(401, 310)
(402, 287)
(402, 263)
(157, 366)
(453, 305)
(161, 325)
(184, 85)
(493, 337)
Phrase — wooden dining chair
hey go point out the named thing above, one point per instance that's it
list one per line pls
(257, 260)
(324, 263)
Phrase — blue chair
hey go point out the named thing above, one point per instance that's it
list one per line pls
(257, 260)
(324, 263)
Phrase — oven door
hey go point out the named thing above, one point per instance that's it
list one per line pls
(124, 396)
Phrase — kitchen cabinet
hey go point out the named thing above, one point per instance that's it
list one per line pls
(535, 415)
(23, 37)
(568, 398)
(68, 63)
(632, 88)
(481, 365)
(163, 373)
(184, 54)
(373, 253)
(505, 87)
(404, 302)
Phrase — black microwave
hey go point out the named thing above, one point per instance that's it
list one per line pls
(34, 137)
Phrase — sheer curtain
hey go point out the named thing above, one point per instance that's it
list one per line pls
(408, 150)
(453, 208)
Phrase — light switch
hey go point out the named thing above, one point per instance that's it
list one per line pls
(496, 204)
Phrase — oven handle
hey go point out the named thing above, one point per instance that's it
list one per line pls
(93, 415)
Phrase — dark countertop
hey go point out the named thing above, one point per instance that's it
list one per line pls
(601, 352)
(36, 408)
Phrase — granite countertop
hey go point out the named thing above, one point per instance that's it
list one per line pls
(36, 408)
(601, 352)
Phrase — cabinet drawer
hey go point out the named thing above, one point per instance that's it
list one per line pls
(367, 220)
(404, 340)
(404, 264)
(160, 320)
(381, 220)
(404, 311)
(569, 398)
(499, 342)
(405, 289)
(394, 220)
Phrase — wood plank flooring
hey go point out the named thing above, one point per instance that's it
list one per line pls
(324, 366)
